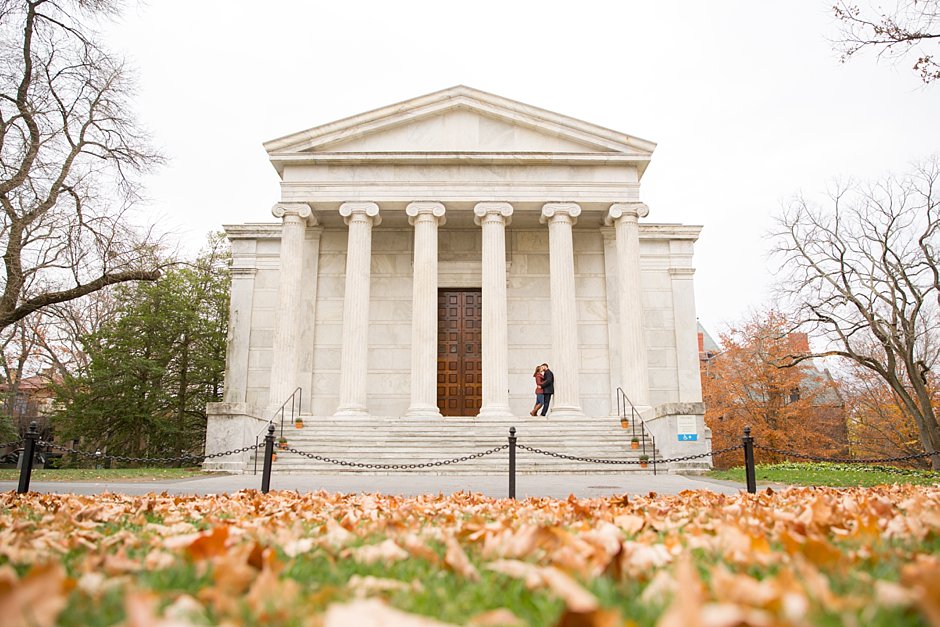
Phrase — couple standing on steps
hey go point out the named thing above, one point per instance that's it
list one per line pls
(544, 388)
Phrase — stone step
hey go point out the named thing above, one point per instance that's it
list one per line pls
(401, 441)
(576, 436)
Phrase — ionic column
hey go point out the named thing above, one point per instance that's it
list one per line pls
(633, 363)
(686, 330)
(612, 297)
(360, 217)
(425, 217)
(561, 216)
(493, 217)
(285, 360)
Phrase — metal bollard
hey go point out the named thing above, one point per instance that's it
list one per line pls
(750, 473)
(268, 454)
(512, 462)
(26, 467)
(654, 453)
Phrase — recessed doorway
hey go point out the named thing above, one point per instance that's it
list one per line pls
(459, 351)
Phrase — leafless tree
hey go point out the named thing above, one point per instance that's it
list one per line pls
(864, 276)
(60, 331)
(908, 28)
(70, 159)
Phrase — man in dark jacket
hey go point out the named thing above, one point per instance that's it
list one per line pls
(548, 387)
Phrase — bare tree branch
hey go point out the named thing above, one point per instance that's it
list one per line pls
(908, 28)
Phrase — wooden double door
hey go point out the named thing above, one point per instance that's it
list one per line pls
(459, 352)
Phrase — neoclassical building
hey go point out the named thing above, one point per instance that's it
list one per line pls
(429, 254)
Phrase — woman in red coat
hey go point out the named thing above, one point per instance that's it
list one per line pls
(539, 397)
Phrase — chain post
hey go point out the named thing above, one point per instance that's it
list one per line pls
(268, 454)
(654, 454)
(512, 462)
(26, 462)
(749, 471)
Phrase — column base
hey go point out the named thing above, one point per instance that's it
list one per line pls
(495, 411)
(423, 411)
(351, 412)
(565, 411)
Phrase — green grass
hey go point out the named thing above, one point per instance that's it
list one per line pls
(105, 474)
(835, 475)
(444, 595)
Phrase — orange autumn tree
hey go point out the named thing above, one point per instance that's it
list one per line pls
(878, 425)
(748, 383)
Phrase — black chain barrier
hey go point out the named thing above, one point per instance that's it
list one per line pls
(592, 460)
(747, 444)
(32, 441)
(846, 460)
(162, 460)
(13, 443)
(444, 462)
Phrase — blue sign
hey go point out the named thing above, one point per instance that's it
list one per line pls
(688, 437)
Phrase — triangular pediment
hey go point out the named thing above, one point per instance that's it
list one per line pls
(458, 130)
(460, 120)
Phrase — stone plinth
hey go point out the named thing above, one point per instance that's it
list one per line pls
(232, 426)
(663, 423)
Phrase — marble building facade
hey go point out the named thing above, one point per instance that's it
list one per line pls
(426, 256)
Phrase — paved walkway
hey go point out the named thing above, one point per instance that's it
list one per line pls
(548, 485)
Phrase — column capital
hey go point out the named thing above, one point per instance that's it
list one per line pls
(628, 210)
(419, 209)
(298, 210)
(568, 211)
(362, 210)
(490, 211)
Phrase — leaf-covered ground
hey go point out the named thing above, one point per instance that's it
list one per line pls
(804, 556)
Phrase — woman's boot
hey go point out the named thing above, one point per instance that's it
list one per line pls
(535, 411)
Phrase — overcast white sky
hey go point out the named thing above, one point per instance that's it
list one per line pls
(746, 100)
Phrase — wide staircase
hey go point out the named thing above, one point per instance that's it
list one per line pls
(402, 441)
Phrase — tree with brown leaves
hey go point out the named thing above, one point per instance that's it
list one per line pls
(749, 383)
(70, 155)
(878, 425)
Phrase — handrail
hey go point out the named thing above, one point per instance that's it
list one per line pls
(297, 394)
(622, 401)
